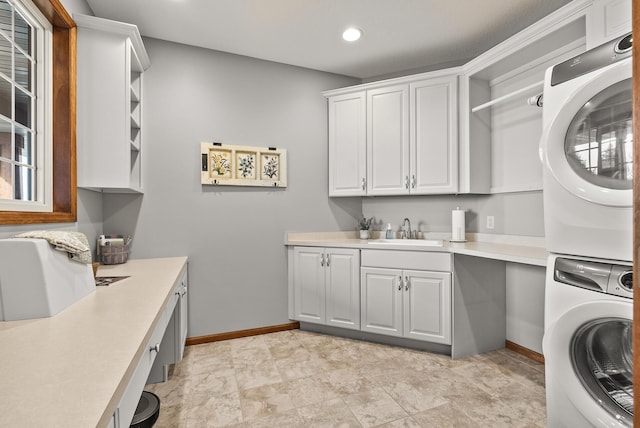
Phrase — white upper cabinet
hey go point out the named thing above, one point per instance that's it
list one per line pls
(606, 20)
(111, 60)
(433, 136)
(348, 144)
(395, 137)
(388, 140)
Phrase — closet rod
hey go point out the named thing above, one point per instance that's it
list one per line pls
(507, 96)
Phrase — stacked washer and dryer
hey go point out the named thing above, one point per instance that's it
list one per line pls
(586, 151)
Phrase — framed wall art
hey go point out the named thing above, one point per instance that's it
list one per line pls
(233, 165)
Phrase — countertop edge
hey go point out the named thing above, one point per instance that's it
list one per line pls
(500, 247)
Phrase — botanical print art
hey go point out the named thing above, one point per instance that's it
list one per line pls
(233, 165)
(220, 163)
(270, 167)
(246, 165)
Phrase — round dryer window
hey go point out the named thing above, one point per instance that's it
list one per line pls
(599, 140)
(601, 353)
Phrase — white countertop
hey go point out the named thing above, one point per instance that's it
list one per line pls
(511, 248)
(72, 369)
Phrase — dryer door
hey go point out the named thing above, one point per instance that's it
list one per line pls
(589, 143)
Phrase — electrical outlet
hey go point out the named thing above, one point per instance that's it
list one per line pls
(490, 222)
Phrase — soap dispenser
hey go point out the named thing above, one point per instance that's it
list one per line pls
(389, 233)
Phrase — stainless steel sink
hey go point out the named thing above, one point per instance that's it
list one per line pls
(408, 242)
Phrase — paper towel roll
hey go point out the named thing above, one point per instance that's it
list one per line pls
(457, 225)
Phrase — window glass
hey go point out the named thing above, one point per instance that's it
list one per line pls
(599, 141)
(17, 106)
(5, 98)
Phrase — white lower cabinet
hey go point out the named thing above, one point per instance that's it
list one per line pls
(326, 286)
(395, 293)
(407, 303)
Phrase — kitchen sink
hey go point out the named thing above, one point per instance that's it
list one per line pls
(408, 242)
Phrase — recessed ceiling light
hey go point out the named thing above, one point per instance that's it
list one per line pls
(351, 34)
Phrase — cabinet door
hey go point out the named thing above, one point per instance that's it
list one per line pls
(343, 287)
(434, 136)
(388, 140)
(427, 306)
(606, 20)
(347, 144)
(381, 301)
(308, 286)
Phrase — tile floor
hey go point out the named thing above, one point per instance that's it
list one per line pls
(300, 379)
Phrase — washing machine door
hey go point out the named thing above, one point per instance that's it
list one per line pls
(590, 355)
(588, 146)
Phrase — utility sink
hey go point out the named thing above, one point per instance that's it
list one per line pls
(408, 242)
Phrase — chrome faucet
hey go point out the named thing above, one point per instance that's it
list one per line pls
(406, 233)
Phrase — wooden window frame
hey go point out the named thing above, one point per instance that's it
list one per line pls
(64, 122)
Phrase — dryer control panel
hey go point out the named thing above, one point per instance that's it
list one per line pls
(603, 277)
(598, 57)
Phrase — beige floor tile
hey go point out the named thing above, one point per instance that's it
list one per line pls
(213, 410)
(328, 414)
(260, 374)
(446, 416)
(288, 419)
(347, 381)
(414, 395)
(302, 379)
(401, 423)
(374, 407)
(310, 390)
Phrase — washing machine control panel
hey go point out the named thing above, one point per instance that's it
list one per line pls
(602, 277)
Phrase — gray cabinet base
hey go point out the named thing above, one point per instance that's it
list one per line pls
(377, 338)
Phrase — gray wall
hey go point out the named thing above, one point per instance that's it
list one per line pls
(514, 213)
(233, 236)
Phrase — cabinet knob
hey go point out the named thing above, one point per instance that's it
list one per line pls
(156, 348)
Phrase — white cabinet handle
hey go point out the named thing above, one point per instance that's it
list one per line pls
(322, 260)
(406, 182)
(364, 183)
(328, 259)
(184, 291)
(156, 348)
(399, 283)
(413, 181)
(406, 283)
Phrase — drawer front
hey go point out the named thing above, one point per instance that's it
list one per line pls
(417, 260)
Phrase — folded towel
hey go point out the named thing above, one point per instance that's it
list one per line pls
(75, 244)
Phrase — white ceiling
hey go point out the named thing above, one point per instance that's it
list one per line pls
(398, 35)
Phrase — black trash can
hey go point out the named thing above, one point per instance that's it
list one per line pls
(147, 411)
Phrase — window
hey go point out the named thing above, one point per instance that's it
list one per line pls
(25, 108)
(61, 127)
